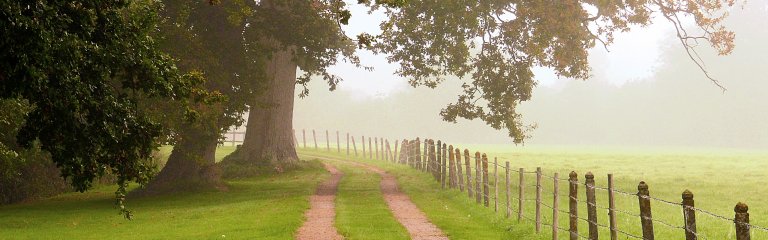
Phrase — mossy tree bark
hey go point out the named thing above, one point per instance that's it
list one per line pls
(191, 166)
(269, 135)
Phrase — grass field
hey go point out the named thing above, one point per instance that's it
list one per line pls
(264, 207)
(718, 178)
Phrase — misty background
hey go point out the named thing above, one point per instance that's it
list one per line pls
(644, 92)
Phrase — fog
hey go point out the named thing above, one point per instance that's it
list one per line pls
(673, 106)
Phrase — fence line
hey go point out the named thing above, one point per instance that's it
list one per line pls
(445, 163)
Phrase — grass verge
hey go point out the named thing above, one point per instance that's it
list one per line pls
(263, 207)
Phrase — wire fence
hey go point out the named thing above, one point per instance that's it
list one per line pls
(457, 169)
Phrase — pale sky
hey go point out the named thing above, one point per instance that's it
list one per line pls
(644, 92)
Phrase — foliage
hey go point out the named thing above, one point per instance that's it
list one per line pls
(84, 66)
(25, 174)
(496, 44)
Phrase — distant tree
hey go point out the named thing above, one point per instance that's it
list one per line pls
(84, 68)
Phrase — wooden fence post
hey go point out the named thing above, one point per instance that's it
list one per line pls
(425, 158)
(612, 210)
(591, 205)
(468, 169)
(555, 207)
(354, 145)
(444, 161)
(520, 194)
(370, 148)
(495, 184)
(347, 144)
(643, 196)
(338, 144)
(404, 151)
(376, 148)
(394, 159)
(741, 220)
(506, 177)
(327, 142)
(438, 159)
(573, 205)
(304, 137)
(387, 150)
(538, 199)
(417, 159)
(433, 159)
(486, 183)
(314, 137)
(689, 216)
(460, 174)
(362, 141)
(443, 167)
(451, 168)
(478, 178)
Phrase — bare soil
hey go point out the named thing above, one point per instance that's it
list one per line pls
(320, 216)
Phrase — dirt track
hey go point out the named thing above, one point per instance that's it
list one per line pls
(320, 216)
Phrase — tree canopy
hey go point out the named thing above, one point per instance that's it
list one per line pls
(493, 46)
(83, 66)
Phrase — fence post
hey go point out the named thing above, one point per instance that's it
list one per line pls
(394, 159)
(417, 161)
(741, 220)
(468, 169)
(404, 152)
(304, 137)
(388, 151)
(362, 142)
(327, 142)
(643, 196)
(555, 207)
(486, 182)
(495, 184)
(370, 148)
(689, 215)
(425, 158)
(376, 148)
(338, 144)
(314, 137)
(573, 207)
(433, 159)
(354, 145)
(452, 167)
(538, 199)
(591, 205)
(478, 178)
(459, 173)
(506, 177)
(520, 195)
(444, 166)
(612, 210)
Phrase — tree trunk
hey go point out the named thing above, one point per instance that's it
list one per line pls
(191, 166)
(269, 133)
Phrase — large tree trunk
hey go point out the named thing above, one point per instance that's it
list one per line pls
(191, 166)
(269, 135)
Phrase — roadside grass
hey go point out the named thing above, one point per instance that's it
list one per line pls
(263, 207)
(450, 210)
(361, 212)
(719, 178)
